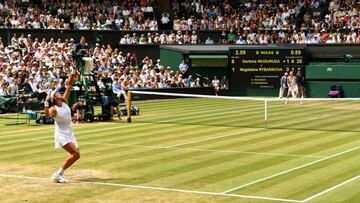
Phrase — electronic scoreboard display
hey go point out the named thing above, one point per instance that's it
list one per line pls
(263, 67)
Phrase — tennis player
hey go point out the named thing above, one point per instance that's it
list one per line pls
(292, 86)
(64, 134)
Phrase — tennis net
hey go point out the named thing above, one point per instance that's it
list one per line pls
(324, 114)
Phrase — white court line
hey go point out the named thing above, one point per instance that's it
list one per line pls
(120, 127)
(227, 113)
(248, 108)
(171, 120)
(330, 189)
(51, 129)
(242, 98)
(248, 131)
(157, 188)
(290, 170)
(214, 114)
(45, 128)
(79, 133)
(208, 150)
(217, 137)
(196, 141)
(187, 149)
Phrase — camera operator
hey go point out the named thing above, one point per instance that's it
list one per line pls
(107, 81)
(110, 106)
(77, 110)
(82, 45)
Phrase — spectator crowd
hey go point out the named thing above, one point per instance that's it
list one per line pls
(251, 22)
(35, 65)
(98, 15)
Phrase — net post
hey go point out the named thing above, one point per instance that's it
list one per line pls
(266, 109)
(129, 106)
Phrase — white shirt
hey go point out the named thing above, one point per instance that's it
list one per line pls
(165, 20)
(14, 89)
(183, 67)
(125, 12)
(145, 67)
(33, 86)
(215, 83)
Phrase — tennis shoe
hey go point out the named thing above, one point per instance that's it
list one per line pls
(59, 178)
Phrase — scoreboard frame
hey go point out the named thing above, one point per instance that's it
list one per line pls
(263, 67)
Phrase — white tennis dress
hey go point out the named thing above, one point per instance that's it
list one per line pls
(293, 86)
(64, 133)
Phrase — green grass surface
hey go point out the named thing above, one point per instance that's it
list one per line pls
(194, 150)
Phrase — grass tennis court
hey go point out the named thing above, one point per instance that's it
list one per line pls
(194, 150)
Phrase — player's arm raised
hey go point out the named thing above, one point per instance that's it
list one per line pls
(69, 84)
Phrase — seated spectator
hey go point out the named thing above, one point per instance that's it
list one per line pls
(14, 87)
(165, 21)
(184, 69)
(231, 37)
(194, 38)
(216, 85)
(196, 83)
(224, 83)
(5, 89)
(209, 40)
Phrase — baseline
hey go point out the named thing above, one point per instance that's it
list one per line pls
(156, 188)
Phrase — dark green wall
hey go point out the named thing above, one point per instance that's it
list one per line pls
(321, 88)
(333, 71)
(208, 66)
(209, 72)
(170, 58)
(321, 75)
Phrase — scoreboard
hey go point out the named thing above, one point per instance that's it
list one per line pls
(263, 67)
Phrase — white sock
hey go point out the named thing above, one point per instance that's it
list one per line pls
(60, 171)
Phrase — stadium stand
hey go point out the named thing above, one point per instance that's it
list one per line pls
(258, 22)
(31, 64)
